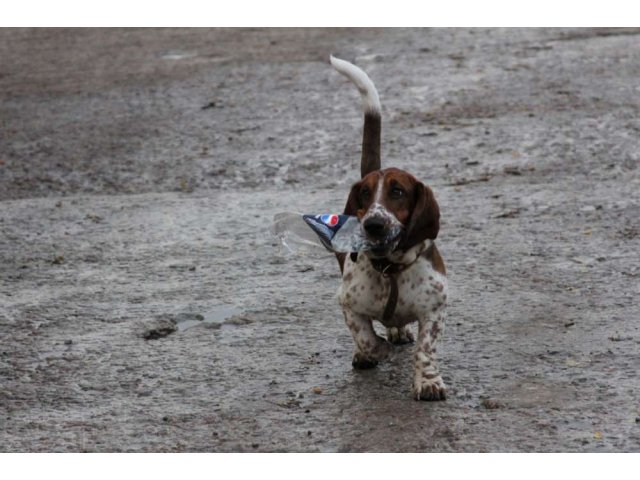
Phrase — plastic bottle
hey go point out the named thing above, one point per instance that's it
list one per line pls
(337, 233)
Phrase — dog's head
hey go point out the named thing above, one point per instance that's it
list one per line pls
(395, 209)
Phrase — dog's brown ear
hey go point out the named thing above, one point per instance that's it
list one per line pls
(424, 222)
(353, 202)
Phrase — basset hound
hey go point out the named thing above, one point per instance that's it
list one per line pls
(402, 279)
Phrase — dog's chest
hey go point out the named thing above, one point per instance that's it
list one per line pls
(365, 291)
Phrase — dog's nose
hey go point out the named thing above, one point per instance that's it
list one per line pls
(375, 227)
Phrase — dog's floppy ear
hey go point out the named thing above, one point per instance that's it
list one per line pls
(424, 222)
(353, 202)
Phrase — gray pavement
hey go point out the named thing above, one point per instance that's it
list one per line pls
(144, 307)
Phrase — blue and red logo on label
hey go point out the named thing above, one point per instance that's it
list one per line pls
(329, 219)
(326, 225)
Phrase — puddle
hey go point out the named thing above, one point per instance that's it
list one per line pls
(215, 316)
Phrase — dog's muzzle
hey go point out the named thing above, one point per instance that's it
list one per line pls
(375, 227)
(383, 232)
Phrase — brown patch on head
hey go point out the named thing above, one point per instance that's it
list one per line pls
(362, 195)
(397, 193)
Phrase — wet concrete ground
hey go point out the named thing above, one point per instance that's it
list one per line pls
(144, 307)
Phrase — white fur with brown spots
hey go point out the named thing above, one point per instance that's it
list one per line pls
(422, 295)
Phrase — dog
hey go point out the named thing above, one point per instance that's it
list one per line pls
(402, 279)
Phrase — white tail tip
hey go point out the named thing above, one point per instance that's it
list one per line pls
(370, 99)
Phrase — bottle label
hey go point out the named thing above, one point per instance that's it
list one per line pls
(326, 226)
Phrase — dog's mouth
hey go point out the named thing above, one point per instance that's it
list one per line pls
(381, 246)
(380, 251)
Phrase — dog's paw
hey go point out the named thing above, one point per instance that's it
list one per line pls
(360, 362)
(400, 336)
(370, 358)
(432, 389)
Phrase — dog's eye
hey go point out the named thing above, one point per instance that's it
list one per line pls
(396, 193)
(365, 194)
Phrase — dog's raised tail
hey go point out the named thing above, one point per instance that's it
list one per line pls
(372, 121)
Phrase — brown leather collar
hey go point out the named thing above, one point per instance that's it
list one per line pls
(390, 270)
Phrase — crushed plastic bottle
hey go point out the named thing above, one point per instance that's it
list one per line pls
(294, 233)
(337, 233)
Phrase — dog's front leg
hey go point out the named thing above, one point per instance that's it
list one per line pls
(370, 348)
(427, 383)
